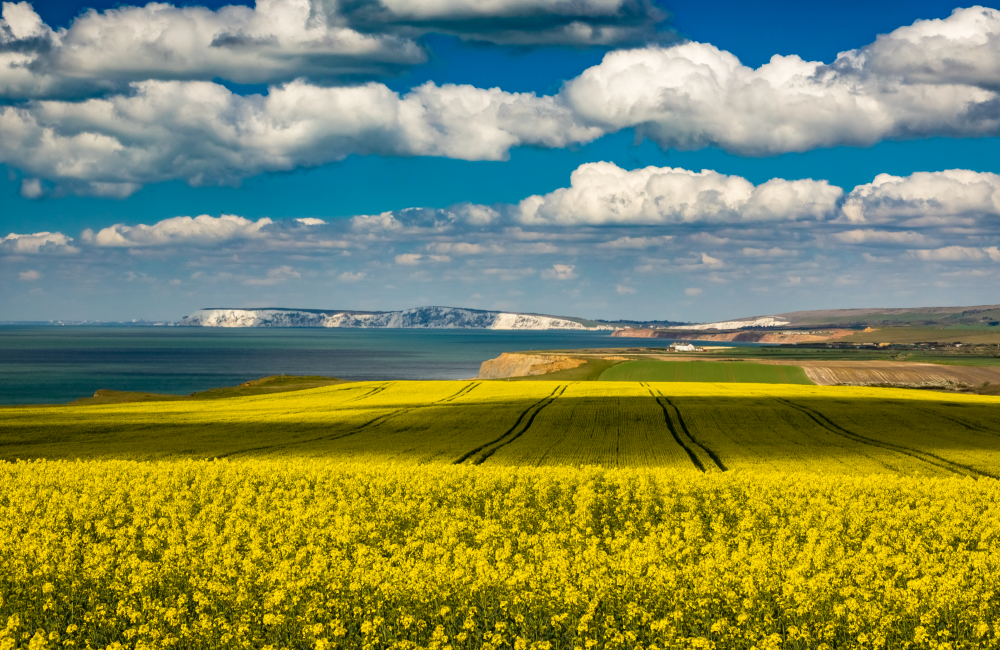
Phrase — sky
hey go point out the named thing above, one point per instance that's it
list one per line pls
(616, 159)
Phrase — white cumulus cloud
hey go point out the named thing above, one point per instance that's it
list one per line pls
(278, 41)
(456, 248)
(963, 48)
(274, 276)
(39, 242)
(385, 221)
(199, 230)
(203, 133)
(925, 197)
(476, 215)
(560, 272)
(950, 254)
(637, 242)
(603, 193)
(408, 259)
(931, 78)
(768, 252)
(31, 188)
(29, 275)
(869, 236)
(145, 110)
(275, 41)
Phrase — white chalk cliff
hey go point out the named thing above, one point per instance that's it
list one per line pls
(420, 317)
(763, 321)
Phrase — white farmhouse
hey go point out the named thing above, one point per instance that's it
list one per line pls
(683, 347)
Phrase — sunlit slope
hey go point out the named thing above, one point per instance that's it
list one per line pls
(692, 426)
(702, 371)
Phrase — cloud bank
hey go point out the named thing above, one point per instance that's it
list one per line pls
(277, 41)
(609, 212)
(605, 195)
(159, 118)
(675, 237)
(205, 134)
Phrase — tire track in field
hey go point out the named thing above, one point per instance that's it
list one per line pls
(373, 422)
(462, 393)
(673, 431)
(925, 456)
(373, 391)
(512, 434)
(387, 416)
(680, 419)
(967, 425)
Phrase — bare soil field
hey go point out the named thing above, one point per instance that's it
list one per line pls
(831, 372)
(588, 365)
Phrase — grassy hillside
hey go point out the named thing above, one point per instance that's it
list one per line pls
(262, 386)
(980, 316)
(710, 371)
(956, 334)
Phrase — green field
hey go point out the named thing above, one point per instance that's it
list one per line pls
(705, 371)
(472, 515)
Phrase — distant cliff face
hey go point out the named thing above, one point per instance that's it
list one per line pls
(421, 317)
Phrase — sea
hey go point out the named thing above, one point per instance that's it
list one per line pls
(51, 364)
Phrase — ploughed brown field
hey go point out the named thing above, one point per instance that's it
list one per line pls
(832, 372)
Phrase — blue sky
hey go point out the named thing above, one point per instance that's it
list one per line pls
(435, 207)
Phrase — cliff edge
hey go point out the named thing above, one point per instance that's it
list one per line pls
(513, 364)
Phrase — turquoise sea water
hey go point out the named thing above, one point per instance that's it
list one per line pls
(52, 364)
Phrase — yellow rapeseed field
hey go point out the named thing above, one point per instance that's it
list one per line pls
(301, 554)
(505, 515)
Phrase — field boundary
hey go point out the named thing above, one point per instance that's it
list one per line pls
(927, 457)
(534, 410)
